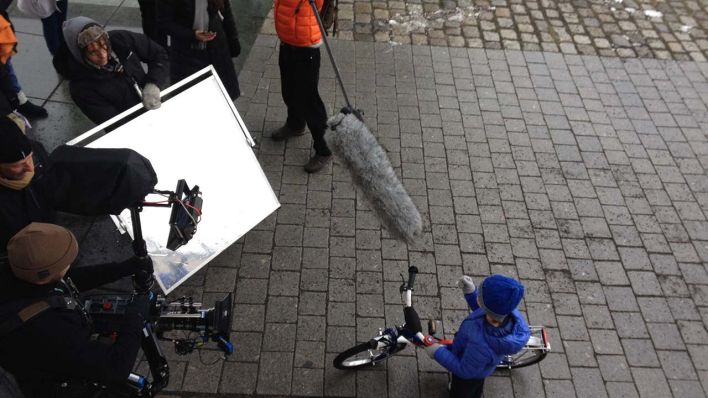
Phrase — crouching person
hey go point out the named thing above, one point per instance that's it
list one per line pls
(45, 333)
(105, 71)
(494, 329)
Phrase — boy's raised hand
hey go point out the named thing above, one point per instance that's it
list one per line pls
(466, 284)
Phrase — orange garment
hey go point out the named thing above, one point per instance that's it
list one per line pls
(296, 24)
(8, 40)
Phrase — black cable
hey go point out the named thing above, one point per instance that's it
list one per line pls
(219, 358)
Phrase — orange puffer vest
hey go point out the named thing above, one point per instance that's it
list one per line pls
(296, 24)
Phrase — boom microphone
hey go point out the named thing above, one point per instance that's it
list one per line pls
(371, 171)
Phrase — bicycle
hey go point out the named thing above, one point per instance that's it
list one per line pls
(393, 340)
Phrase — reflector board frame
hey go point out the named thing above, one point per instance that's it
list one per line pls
(197, 135)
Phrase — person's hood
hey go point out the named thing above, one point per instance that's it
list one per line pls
(509, 338)
(71, 29)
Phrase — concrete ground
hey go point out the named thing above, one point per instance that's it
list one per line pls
(583, 176)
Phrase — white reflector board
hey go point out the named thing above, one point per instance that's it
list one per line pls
(197, 135)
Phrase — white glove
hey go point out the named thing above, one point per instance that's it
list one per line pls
(151, 97)
(430, 344)
(465, 283)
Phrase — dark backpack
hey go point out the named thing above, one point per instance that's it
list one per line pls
(328, 14)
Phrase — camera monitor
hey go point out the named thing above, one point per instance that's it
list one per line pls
(198, 136)
(185, 215)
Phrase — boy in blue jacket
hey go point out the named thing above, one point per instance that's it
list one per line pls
(495, 328)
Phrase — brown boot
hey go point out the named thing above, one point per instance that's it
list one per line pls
(286, 132)
(317, 163)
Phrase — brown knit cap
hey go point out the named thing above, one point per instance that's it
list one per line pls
(40, 252)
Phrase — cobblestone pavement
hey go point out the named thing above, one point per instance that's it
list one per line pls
(584, 176)
(672, 29)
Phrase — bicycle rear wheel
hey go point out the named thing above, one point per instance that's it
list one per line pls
(535, 350)
(363, 355)
(525, 357)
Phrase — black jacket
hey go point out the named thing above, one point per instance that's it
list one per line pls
(175, 18)
(33, 203)
(55, 346)
(8, 96)
(102, 95)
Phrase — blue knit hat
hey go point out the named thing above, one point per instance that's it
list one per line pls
(499, 295)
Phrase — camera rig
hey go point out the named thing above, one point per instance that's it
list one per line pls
(165, 319)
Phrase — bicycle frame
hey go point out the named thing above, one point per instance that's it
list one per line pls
(391, 340)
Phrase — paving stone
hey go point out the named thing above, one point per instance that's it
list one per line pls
(572, 328)
(699, 355)
(588, 382)
(630, 324)
(644, 283)
(605, 342)
(308, 382)
(279, 337)
(620, 299)
(651, 382)
(559, 388)
(239, 378)
(677, 365)
(275, 373)
(580, 353)
(686, 388)
(611, 273)
(555, 366)
(203, 378)
(640, 352)
(339, 383)
(614, 368)
(618, 389)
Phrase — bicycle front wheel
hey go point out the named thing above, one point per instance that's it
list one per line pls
(363, 355)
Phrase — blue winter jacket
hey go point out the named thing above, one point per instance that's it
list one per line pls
(478, 346)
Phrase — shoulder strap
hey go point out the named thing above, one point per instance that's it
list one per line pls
(32, 310)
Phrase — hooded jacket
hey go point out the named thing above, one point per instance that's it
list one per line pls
(175, 18)
(101, 94)
(56, 345)
(33, 203)
(478, 347)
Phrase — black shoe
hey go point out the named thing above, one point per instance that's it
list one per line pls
(317, 163)
(286, 132)
(32, 111)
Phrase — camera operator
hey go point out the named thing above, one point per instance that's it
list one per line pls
(24, 193)
(46, 337)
